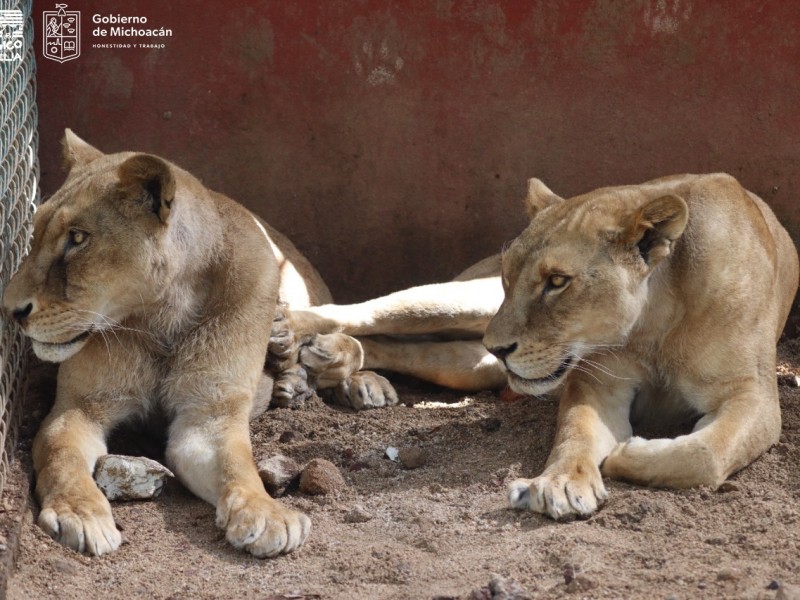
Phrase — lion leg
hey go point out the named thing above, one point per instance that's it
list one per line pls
(263, 396)
(591, 421)
(334, 358)
(463, 306)
(212, 456)
(461, 365)
(336, 361)
(722, 442)
(73, 509)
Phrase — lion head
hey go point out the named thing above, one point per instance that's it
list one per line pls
(99, 252)
(576, 279)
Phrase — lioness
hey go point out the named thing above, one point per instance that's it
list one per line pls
(154, 293)
(636, 298)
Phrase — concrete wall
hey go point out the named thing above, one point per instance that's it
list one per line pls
(391, 140)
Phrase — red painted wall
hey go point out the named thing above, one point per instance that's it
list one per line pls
(392, 140)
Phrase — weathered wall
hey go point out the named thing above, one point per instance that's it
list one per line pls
(392, 140)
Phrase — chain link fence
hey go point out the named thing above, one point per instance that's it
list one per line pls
(19, 194)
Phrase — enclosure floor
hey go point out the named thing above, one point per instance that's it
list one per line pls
(444, 529)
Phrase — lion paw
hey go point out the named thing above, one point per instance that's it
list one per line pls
(560, 495)
(257, 523)
(363, 390)
(84, 524)
(332, 358)
(291, 389)
(283, 345)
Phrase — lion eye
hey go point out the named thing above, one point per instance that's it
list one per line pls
(557, 282)
(77, 237)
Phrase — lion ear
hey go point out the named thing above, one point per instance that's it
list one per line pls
(539, 196)
(655, 225)
(77, 152)
(148, 178)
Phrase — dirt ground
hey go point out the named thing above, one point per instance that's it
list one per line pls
(442, 530)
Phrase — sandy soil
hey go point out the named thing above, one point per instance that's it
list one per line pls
(442, 530)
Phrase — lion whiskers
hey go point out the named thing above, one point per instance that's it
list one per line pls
(105, 325)
(588, 366)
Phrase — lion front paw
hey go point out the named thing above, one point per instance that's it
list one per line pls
(332, 358)
(255, 522)
(283, 344)
(363, 390)
(560, 495)
(82, 523)
(291, 389)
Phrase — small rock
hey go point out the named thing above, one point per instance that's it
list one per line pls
(290, 436)
(130, 477)
(412, 458)
(717, 541)
(320, 477)
(278, 474)
(569, 574)
(729, 575)
(491, 424)
(392, 453)
(500, 588)
(728, 486)
(773, 585)
(357, 514)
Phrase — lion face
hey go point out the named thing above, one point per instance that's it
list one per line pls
(97, 251)
(575, 280)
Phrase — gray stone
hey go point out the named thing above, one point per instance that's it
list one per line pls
(413, 457)
(130, 477)
(278, 473)
(357, 514)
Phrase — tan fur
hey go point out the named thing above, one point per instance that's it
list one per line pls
(676, 289)
(154, 292)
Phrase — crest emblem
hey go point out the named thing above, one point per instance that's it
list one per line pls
(62, 34)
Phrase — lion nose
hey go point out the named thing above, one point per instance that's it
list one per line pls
(502, 352)
(20, 314)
